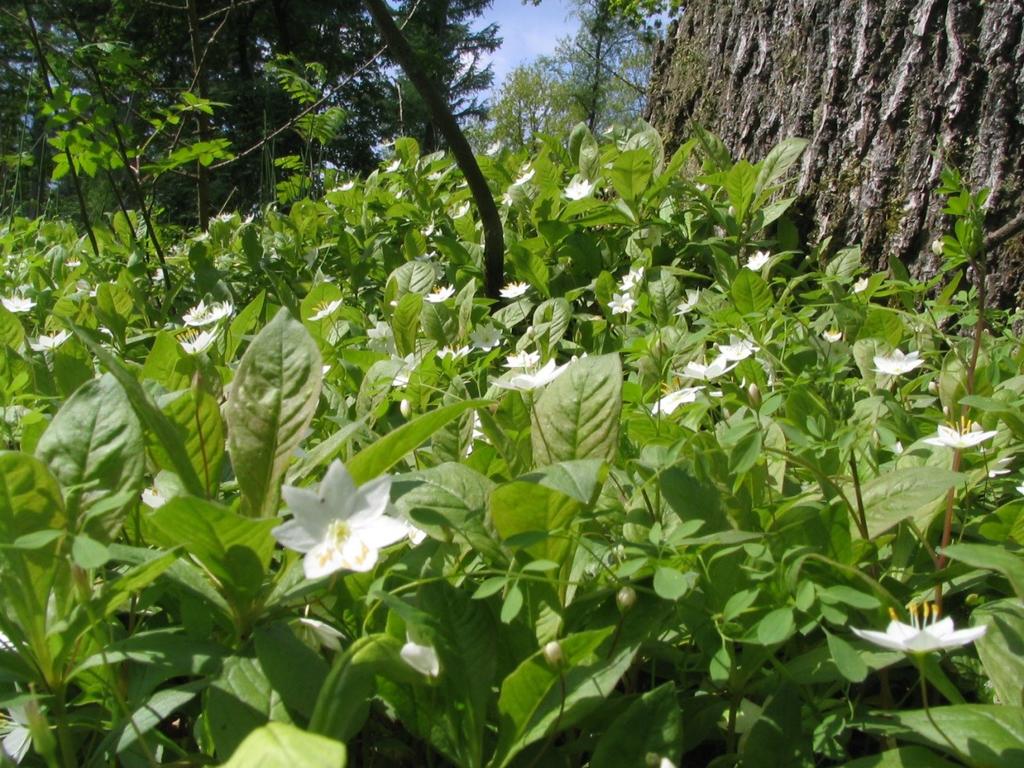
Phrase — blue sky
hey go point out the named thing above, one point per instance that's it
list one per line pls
(528, 31)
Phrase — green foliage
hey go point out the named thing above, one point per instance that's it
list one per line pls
(630, 514)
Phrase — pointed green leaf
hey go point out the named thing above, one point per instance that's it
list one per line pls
(271, 402)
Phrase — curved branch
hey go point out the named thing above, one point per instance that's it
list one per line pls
(441, 114)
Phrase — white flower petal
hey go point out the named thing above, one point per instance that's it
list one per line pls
(422, 658)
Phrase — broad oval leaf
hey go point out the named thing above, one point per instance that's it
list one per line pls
(577, 416)
(271, 402)
(94, 448)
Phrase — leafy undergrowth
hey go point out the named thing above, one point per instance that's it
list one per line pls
(302, 492)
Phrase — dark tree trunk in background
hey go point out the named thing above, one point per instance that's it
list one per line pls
(887, 92)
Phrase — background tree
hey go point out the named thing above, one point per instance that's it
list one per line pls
(533, 99)
(450, 50)
(887, 93)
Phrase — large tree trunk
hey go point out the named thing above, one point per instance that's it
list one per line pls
(887, 92)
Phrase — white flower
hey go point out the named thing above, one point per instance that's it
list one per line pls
(965, 436)
(1020, 489)
(632, 279)
(897, 447)
(684, 306)
(737, 349)
(201, 315)
(758, 260)
(461, 211)
(46, 343)
(670, 402)
(578, 189)
(897, 363)
(832, 336)
(17, 304)
(453, 353)
(152, 498)
(622, 304)
(346, 187)
(999, 466)
(339, 526)
(440, 294)
(422, 658)
(493, 149)
(194, 341)
(526, 175)
(921, 635)
(525, 382)
(17, 735)
(381, 337)
(325, 309)
(522, 359)
(712, 370)
(485, 337)
(514, 290)
(860, 285)
(409, 364)
(5, 643)
(72, 262)
(430, 230)
(325, 634)
(393, 166)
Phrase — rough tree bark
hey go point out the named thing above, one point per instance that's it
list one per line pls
(887, 92)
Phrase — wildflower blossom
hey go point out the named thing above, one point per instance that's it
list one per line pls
(49, 342)
(422, 658)
(897, 363)
(579, 189)
(737, 349)
(632, 279)
(962, 436)
(670, 402)
(924, 634)
(758, 260)
(194, 341)
(522, 359)
(684, 306)
(339, 526)
(440, 294)
(201, 315)
(514, 290)
(325, 309)
(530, 380)
(622, 304)
(17, 304)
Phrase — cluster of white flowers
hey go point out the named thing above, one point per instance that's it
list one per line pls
(624, 301)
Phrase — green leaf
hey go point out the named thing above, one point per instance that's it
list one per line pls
(631, 173)
(777, 162)
(386, 451)
(197, 414)
(235, 549)
(344, 701)
(280, 745)
(652, 725)
(991, 558)
(990, 734)
(243, 323)
(847, 660)
(151, 416)
(750, 293)
(239, 701)
(295, 670)
(776, 627)
(521, 507)
(406, 322)
(531, 702)
(271, 402)
(94, 447)
(1001, 648)
(582, 479)
(912, 493)
(672, 584)
(577, 416)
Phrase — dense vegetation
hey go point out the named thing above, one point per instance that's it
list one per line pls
(300, 491)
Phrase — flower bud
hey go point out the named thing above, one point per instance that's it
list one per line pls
(933, 387)
(405, 408)
(937, 246)
(625, 599)
(755, 395)
(553, 654)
